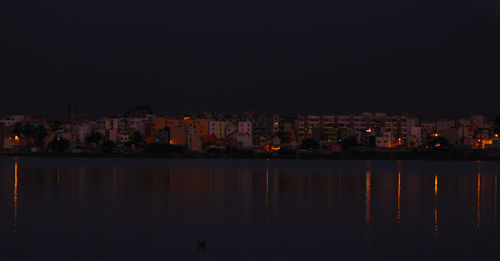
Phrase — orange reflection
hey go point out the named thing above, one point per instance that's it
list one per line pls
(267, 189)
(15, 196)
(399, 197)
(368, 197)
(435, 185)
(478, 214)
(495, 201)
(368, 205)
(436, 226)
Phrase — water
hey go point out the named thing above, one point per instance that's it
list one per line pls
(158, 209)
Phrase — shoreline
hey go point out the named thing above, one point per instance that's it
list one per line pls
(410, 156)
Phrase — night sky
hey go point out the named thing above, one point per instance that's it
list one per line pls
(430, 57)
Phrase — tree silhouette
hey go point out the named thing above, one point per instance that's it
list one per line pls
(348, 142)
(59, 144)
(309, 144)
(137, 138)
(35, 132)
(94, 137)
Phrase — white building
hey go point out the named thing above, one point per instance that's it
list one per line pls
(123, 137)
(415, 136)
(193, 142)
(111, 123)
(82, 129)
(138, 124)
(376, 123)
(212, 127)
(230, 129)
(11, 120)
(385, 141)
(245, 127)
(244, 141)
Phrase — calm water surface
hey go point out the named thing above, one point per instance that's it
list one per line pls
(158, 209)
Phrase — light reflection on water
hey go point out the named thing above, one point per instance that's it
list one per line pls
(368, 205)
(15, 196)
(495, 201)
(399, 198)
(245, 212)
(478, 215)
(436, 226)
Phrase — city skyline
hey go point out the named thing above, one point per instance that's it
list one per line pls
(72, 108)
(140, 130)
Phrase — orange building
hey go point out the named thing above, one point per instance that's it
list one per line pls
(173, 123)
(178, 130)
(186, 122)
(201, 127)
(159, 123)
(177, 135)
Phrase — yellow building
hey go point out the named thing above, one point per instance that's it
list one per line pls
(221, 130)
(217, 128)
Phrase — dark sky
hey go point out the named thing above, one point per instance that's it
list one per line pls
(432, 57)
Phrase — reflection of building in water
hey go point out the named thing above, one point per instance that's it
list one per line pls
(202, 192)
(267, 189)
(339, 200)
(495, 202)
(15, 195)
(398, 211)
(368, 205)
(435, 220)
(478, 214)
(274, 196)
(344, 198)
(367, 196)
(399, 198)
(272, 191)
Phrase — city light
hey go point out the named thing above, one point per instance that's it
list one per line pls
(205, 132)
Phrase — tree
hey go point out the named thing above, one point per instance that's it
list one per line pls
(156, 148)
(38, 134)
(18, 129)
(348, 142)
(35, 132)
(163, 148)
(59, 144)
(438, 141)
(137, 138)
(372, 141)
(497, 124)
(94, 137)
(309, 144)
(108, 146)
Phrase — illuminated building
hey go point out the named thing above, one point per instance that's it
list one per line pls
(378, 125)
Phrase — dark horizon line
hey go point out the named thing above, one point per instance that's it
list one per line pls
(450, 116)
